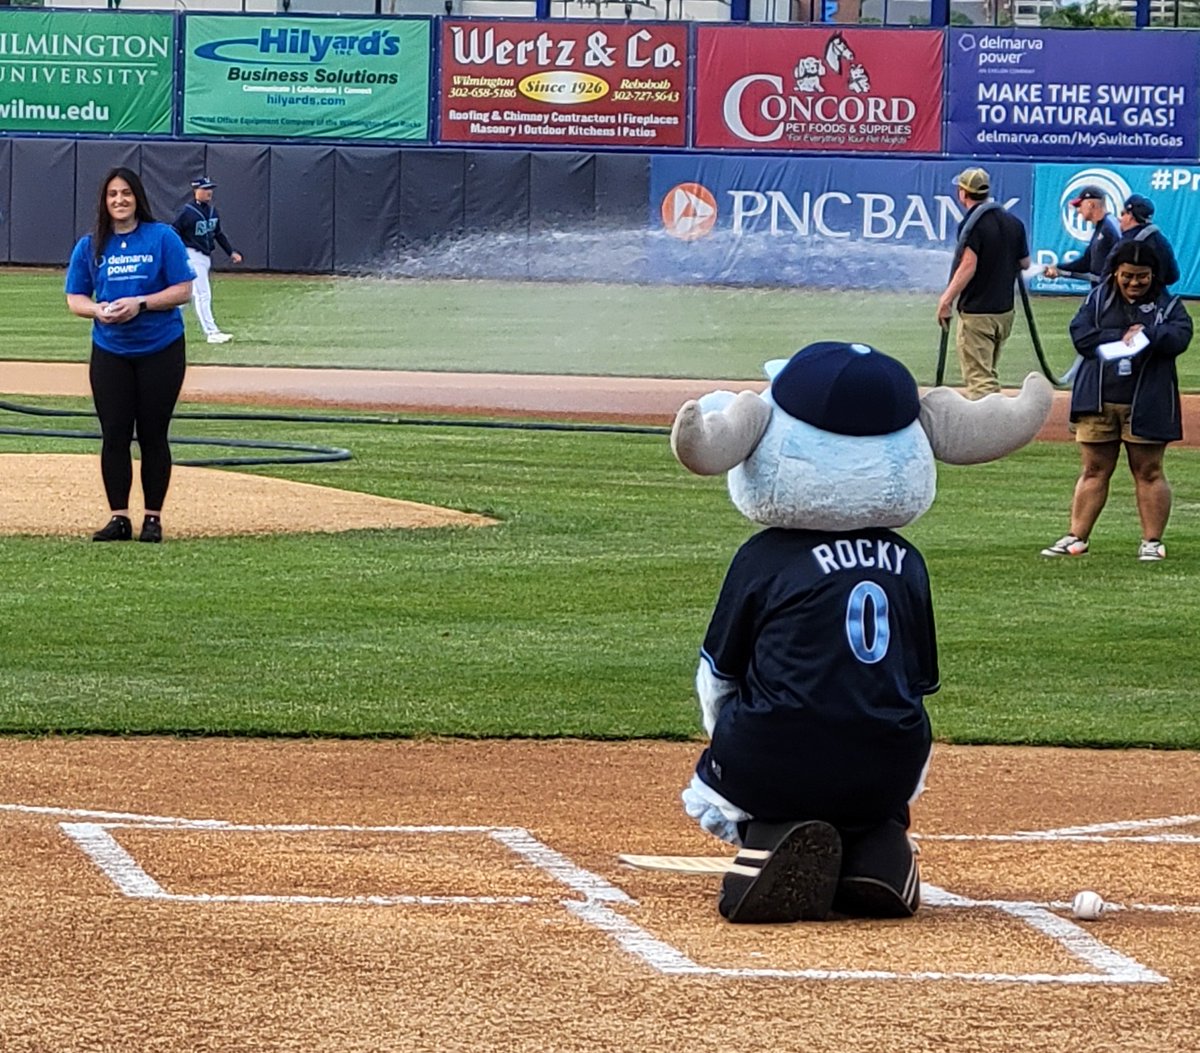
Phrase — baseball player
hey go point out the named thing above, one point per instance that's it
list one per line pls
(200, 228)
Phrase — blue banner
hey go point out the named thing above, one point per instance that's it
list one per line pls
(1058, 233)
(875, 223)
(1102, 93)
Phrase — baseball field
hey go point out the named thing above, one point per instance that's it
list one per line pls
(348, 762)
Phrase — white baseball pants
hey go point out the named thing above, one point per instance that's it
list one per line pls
(202, 291)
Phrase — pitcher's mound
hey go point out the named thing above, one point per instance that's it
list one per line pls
(61, 494)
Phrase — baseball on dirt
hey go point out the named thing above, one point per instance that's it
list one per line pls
(1087, 906)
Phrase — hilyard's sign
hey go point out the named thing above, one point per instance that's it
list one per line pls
(325, 78)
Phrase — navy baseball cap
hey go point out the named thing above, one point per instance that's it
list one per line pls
(1140, 208)
(847, 389)
(1088, 193)
(203, 183)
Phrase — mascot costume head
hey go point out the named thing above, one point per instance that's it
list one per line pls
(821, 648)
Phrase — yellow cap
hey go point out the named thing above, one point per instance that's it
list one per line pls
(974, 180)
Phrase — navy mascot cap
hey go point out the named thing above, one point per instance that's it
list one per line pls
(847, 389)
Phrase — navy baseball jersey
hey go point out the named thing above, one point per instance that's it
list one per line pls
(200, 228)
(830, 639)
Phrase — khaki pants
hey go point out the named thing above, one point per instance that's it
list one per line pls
(980, 338)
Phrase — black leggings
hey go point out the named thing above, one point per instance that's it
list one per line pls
(139, 390)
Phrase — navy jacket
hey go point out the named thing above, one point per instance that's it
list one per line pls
(1104, 317)
(1090, 265)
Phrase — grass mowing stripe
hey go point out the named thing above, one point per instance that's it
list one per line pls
(581, 614)
(537, 327)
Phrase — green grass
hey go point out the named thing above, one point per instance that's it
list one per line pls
(534, 327)
(581, 614)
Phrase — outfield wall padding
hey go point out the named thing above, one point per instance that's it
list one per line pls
(315, 208)
(5, 196)
(366, 227)
(40, 179)
(300, 213)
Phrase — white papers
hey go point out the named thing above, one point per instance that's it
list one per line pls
(1120, 349)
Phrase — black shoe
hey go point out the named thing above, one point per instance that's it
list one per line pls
(880, 876)
(796, 882)
(117, 529)
(151, 529)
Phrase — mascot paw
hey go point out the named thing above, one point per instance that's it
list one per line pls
(710, 816)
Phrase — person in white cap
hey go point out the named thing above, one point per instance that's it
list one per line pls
(200, 228)
(1092, 205)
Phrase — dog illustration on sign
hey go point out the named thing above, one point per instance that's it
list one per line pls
(839, 60)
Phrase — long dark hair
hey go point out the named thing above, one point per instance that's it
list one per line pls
(1138, 254)
(104, 228)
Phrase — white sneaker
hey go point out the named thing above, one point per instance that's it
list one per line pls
(1151, 551)
(1070, 545)
(219, 338)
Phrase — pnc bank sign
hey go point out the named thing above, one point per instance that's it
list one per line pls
(691, 211)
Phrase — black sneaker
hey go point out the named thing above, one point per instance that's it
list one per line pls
(796, 882)
(151, 529)
(117, 529)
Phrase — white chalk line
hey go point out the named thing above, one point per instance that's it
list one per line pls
(1079, 839)
(1111, 966)
(1125, 824)
(125, 873)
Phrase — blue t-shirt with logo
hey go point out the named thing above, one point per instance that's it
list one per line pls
(147, 260)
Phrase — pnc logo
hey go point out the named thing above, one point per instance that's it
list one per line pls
(1116, 190)
(689, 211)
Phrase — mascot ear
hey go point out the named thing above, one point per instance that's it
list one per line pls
(964, 432)
(712, 443)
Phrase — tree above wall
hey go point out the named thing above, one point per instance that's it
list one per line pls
(1097, 14)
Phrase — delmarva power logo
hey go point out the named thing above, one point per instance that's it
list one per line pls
(689, 211)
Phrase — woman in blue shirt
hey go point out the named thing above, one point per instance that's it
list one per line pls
(130, 276)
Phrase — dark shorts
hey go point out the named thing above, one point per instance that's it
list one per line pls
(846, 783)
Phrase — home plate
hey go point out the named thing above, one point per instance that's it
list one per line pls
(680, 864)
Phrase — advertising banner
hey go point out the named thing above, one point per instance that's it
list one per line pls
(94, 74)
(1104, 93)
(1059, 234)
(313, 78)
(564, 83)
(819, 89)
(873, 224)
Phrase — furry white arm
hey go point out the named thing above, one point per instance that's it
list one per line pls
(713, 693)
(716, 814)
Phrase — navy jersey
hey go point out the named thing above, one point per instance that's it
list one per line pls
(200, 228)
(830, 639)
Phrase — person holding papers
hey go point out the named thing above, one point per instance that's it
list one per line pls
(1128, 333)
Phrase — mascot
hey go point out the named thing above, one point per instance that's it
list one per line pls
(821, 648)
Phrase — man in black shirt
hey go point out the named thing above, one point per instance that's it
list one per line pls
(992, 250)
(1092, 206)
